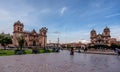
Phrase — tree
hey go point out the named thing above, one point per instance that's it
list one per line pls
(21, 41)
(5, 40)
(113, 46)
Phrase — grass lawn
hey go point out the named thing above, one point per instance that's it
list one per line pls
(6, 52)
(11, 52)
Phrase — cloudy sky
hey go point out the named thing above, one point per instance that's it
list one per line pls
(71, 20)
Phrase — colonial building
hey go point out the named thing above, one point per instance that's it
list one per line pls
(74, 44)
(101, 39)
(31, 38)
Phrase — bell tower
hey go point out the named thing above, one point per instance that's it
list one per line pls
(106, 32)
(43, 35)
(93, 36)
(93, 33)
(106, 35)
(18, 27)
(17, 31)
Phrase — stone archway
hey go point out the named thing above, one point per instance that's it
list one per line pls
(25, 44)
(34, 43)
(40, 44)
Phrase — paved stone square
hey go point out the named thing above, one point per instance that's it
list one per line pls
(60, 62)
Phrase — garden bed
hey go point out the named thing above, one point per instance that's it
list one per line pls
(18, 52)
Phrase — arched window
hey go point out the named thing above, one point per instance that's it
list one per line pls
(26, 43)
(18, 28)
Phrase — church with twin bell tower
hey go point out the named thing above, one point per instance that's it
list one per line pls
(101, 39)
(32, 38)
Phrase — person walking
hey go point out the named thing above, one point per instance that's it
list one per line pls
(79, 50)
(72, 51)
(117, 51)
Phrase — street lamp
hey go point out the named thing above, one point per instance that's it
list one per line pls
(57, 39)
(44, 43)
(58, 43)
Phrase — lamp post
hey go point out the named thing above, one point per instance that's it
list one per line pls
(58, 43)
(57, 39)
(44, 43)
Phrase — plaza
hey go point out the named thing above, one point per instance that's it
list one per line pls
(60, 62)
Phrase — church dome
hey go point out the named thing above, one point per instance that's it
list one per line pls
(106, 29)
(18, 23)
(93, 31)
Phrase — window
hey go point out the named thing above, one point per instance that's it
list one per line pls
(18, 28)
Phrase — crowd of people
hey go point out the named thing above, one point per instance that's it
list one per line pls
(85, 49)
(72, 50)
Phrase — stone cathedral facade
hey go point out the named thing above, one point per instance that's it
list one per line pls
(32, 38)
(101, 39)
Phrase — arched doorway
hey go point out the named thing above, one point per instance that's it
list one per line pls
(40, 44)
(25, 44)
(34, 43)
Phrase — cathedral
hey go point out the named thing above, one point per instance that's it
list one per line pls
(32, 38)
(100, 39)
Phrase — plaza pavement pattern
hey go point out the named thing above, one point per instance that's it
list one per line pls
(60, 62)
